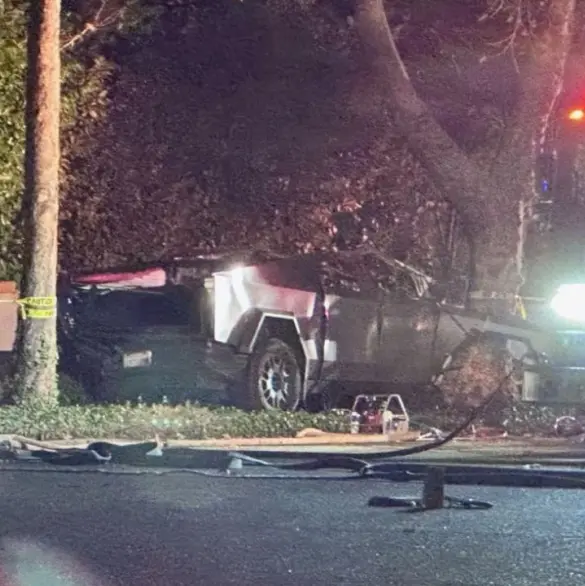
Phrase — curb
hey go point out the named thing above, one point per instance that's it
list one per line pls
(182, 455)
(236, 443)
(552, 451)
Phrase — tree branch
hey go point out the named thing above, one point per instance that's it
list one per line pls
(99, 21)
(541, 84)
(508, 43)
(553, 49)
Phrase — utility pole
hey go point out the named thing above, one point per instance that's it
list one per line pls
(37, 352)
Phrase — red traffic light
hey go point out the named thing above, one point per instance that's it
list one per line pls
(577, 115)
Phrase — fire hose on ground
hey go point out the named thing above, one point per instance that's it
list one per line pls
(146, 458)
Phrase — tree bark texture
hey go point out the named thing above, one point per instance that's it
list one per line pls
(37, 358)
(487, 197)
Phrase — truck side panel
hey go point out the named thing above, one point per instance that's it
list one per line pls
(235, 295)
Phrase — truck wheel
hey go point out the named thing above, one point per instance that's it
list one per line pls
(274, 378)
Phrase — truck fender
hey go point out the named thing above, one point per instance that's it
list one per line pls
(244, 336)
(245, 332)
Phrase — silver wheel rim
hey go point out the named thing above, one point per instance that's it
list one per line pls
(276, 381)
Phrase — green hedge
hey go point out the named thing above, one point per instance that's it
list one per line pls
(75, 418)
(139, 422)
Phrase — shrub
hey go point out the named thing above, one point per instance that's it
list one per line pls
(139, 422)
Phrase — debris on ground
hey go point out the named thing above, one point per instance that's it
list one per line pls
(432, 435)
(310, 432)
(485, 432)
(473, 433)
(568, 426)
(97, 452)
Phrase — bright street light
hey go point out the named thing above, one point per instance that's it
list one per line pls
(577, 115)
(569, 302)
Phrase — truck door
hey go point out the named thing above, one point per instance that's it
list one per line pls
(408, 328)
(353, 306)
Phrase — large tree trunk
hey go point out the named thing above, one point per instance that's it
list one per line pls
(487, 198)
(37, 359)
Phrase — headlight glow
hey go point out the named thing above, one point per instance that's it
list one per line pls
(569, 302)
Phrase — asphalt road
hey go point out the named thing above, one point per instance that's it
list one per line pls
(92, 529)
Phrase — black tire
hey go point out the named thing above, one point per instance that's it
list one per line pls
(266, 388)
(317, 402)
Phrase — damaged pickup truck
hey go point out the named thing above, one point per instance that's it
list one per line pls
(269, 334)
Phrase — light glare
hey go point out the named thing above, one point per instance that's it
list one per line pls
(569, 302)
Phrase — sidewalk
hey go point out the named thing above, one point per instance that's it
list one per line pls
(546, 452)
(496, 451)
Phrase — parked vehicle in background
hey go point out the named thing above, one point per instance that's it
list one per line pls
(561, 312)
(267, 334)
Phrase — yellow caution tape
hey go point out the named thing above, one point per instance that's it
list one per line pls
(520, 307)
(39, 313)
(39, 301)
(37, 307)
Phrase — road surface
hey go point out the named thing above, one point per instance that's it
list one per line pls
(178, 529)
